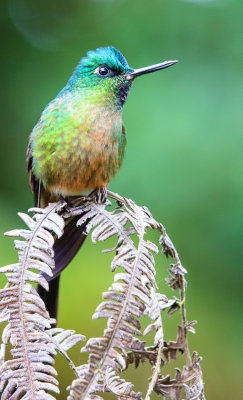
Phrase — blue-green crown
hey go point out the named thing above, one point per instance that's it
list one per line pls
(103, 55)
(110, 56)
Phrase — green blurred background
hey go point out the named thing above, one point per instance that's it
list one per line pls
(183, 159)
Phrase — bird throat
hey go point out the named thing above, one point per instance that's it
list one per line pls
(123, 92)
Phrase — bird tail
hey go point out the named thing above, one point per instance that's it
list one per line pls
(65, 249)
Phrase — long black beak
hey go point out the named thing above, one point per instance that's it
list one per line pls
(151, 68)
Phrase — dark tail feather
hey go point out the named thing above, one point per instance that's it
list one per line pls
(68, 245)
(51, 298)
(65, 249)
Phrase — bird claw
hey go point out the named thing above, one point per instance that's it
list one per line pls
(62, 203)
(69, 203)
(101, 195)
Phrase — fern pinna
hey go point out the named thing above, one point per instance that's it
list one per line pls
(133, 294)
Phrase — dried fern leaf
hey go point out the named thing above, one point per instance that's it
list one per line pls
(172, 348)
(30, 374)
(118, 386)
(125, 301)
(136, 357)
(189, 379)
(139, 297)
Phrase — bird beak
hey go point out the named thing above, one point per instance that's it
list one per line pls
(148, 70)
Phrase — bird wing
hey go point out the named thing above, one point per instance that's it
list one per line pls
(41, 196)
(33, 181)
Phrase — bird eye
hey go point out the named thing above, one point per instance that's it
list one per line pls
(103, 71)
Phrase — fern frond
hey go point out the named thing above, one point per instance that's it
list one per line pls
(189, 379)
(30, 374)
(125, 301)
(132, 295)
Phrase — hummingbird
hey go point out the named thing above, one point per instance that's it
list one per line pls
(78, 144)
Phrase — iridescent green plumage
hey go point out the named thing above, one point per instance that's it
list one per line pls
(78, 144)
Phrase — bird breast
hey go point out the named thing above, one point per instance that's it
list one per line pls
(77, 148)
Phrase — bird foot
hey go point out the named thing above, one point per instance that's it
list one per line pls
(65, 205)
(62, 203)
(101, 195)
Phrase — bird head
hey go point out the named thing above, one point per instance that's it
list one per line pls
(106, 72)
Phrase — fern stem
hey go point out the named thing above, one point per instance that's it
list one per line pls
(184, 321)
(156, 372)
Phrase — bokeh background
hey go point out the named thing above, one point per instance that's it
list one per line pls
(183, 159)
